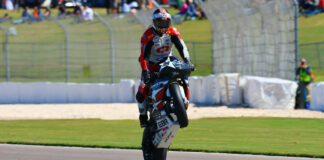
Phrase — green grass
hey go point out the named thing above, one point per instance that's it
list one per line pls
(311, 29)
(271, 136)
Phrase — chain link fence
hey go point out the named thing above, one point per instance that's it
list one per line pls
(313, 53)
(104, 50)
(253, 37)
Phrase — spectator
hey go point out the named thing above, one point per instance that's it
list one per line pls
(62, 11)
(109, 5)
(47, 13)
(150, 3)
(78, 13)
(200, 14)
(141, 4)
(117, 6)
(129, 6)
(112, 6)
(191, 11)
(26, 16)
(77, 10)
(87, 14)
(313, 10)
(5, 18)
(36, 13)
(183, 8)
(177, 19)
(305, 77)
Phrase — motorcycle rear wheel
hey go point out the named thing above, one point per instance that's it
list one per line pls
(179, 106)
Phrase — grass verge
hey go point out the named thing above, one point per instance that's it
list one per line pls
(269, 136)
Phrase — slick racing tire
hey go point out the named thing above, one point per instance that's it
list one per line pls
(179, 106)
(160, 153)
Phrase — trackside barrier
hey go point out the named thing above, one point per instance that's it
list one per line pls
(317, 101)
(230, 92)
(269, 93)
(46, 92)
(222, 89)
(195, 85)
(211, 94)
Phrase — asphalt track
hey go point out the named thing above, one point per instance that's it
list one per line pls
(30, 152)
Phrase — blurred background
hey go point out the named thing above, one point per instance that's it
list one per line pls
(56, 44)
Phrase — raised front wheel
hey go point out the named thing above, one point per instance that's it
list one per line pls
(179, 106)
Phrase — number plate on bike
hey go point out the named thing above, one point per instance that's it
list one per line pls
(162, 123)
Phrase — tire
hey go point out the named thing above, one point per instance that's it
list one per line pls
(160, 153)
(180, 110)
(300, 97)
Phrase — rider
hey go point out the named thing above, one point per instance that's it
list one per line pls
(156, 44)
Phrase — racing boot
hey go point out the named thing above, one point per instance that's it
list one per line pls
(147, 145)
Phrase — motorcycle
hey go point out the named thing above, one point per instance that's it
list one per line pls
(167, 102)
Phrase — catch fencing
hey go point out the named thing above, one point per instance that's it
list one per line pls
(253, 37)
(79, 51)
(250, 37)
(66, 50)
(313, 53)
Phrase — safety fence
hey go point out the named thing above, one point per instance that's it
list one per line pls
(253, 37)
(313, 53)
(102, 51)
(250, 37)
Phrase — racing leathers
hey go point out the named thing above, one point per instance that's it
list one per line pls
(155, 49)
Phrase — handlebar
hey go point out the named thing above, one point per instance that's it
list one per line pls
(172, 73)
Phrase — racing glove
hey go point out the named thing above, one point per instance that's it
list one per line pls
(146, 76)
(143, 120)
(192, 66)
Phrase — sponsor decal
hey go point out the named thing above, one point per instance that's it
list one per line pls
(156, 39)
(163, 123)
(163, 49)
(168, 137)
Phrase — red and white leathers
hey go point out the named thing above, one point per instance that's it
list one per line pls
(155, 48)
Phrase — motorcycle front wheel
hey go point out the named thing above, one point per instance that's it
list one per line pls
(179, 106)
